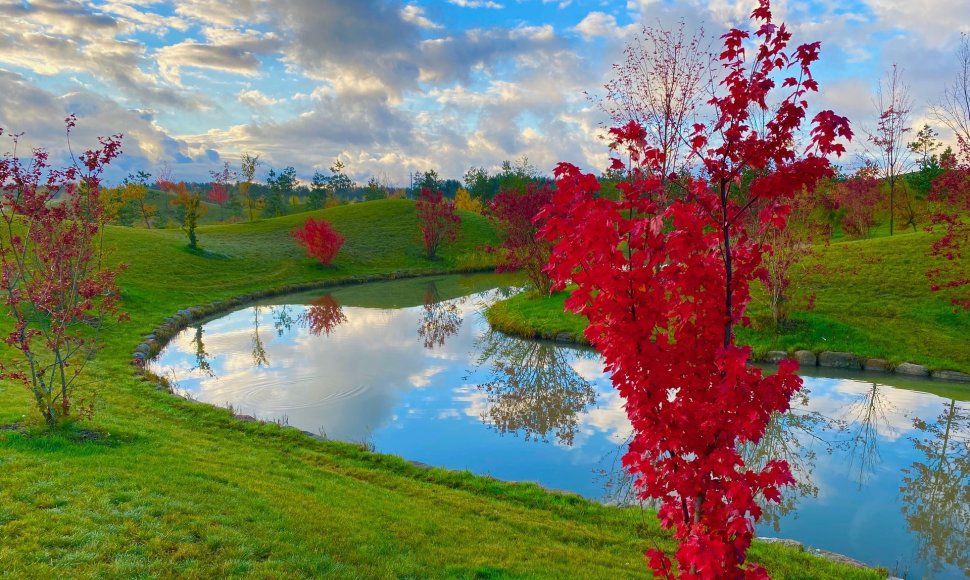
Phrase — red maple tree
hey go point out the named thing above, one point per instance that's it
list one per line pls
(950, 197)
(663, 284)
(437, 219)
(320, 239)
(54, 283)
(859, 197)
(514, 214)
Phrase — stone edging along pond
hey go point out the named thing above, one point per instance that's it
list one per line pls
(826, 359)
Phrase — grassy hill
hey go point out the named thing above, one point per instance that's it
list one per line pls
(872, 298)
(155, 485)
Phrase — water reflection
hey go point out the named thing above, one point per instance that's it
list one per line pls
(936, 490)
(882, 473)
(260, 358)
(322, 315)
(864, 419)
(201, 356)
(792, 437)
(441, 319)
(534, 388)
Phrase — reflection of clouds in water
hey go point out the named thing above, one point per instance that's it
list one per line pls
(897, 406)
(423, 378)
(590, 368)
(607, 417)
(475, 401)
(345, 385)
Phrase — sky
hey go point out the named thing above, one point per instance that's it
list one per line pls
(394, 87)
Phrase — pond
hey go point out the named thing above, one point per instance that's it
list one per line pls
(410, 367)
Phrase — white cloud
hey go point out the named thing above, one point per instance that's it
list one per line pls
(415, 14)
(477, 4)
(597, 24)
(255, 99)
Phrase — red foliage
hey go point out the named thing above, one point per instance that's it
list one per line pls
(663, 284)
(950, 196)
(859, 196)
(167, 185)
(218, 193)
(514, 213)
(320, 239)
(323, 315)
(51, 270)
(438, 220)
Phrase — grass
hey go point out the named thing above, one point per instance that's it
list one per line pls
(155, 485)
(872, 300)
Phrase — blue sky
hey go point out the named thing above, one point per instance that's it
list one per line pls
(390, 87)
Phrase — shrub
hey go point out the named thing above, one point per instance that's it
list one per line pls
(319, 239)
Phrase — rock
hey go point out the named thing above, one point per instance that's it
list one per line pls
(806, 358)
(783, 541)
(565, 337)
(247, 418)
(839, 360)
(912, 370)
(839, 558)
(951, 376)
(876, 364)
(143, 348)
(775, 356)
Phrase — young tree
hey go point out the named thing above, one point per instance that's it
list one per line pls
(55, 286)
(221, 183)
(859, 198)
(892, 155)
(429, 180)
(191, 203)
(249, 162)
(954, 110)
(478, 183)
(374, 190)
(950, 197)
(515, 217)
(664, 285)
(137, 191)
(281, 187)
(660, 86)
(437, 219)
(465, 202)
(320, 239)
(950, 193)
(319, 190)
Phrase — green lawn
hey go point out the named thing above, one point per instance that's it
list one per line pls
(155, 485)
(872, 299)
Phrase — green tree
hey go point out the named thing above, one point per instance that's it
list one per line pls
(374, 190)
(281, 186)
(248, 170)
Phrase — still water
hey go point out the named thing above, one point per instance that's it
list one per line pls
(411, 368)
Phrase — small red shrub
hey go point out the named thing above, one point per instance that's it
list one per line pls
(320, 239)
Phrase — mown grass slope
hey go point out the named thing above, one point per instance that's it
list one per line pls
(872, 298)
(155, 485)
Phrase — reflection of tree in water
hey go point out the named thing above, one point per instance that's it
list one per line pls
(440, 320)
(862, 420)
(535, 390)
(201, 356)
(259, 351)
(936, 492)
(788, 437)
(322, 316)
(282, 318)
